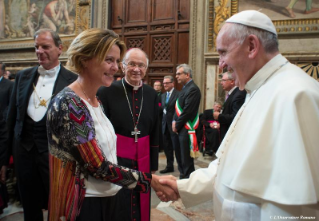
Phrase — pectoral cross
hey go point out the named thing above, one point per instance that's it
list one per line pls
(135, 133)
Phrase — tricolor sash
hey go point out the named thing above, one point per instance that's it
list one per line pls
(191, 126)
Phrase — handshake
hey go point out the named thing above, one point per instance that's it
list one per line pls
(165, 187)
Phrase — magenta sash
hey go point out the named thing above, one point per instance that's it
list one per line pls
(140, 152)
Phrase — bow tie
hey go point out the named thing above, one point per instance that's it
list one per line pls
(43, 72)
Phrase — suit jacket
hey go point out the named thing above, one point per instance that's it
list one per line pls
(170, 110)
(3, 140)
(188, 99)
(20, 99)
(230, 109)
(6, 87)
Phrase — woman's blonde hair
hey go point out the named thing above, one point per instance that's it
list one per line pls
(92, 43)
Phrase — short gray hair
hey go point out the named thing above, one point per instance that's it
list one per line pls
(187, 69)
(169, 77)
(56, 38)
(230, 75)
(268, 40)
(127, 54)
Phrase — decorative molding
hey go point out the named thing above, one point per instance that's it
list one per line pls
(162, 27)
(210, 39)
(84, 2)
(135, 29)
(297, 26)
(84, 14)
(104, 13)
(193, 32)
(312, 69)
(222, 12)
(160, 70)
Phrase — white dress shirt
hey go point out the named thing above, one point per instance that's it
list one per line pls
(106, 137)
(43, 90)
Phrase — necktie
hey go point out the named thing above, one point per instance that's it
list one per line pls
(167, 98)
(227, 95)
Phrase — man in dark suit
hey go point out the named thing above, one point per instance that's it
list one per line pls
(32, 92)
(234, 100)
(186, 116)
(170, 139)
(158, 88)
(6, 87)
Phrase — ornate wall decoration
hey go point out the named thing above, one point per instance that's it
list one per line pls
(135, 29)
(24, 18)
(312, 69)
(193, 34)
(84, 14)
(222, 12)
(160, 70)
(162, 27)
(162, 49)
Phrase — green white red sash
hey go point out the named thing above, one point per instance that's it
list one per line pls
(191, 126)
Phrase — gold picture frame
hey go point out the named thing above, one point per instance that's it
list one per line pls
(31, 15)
(221, 10)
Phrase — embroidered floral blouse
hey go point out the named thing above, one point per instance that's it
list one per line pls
(75, 154)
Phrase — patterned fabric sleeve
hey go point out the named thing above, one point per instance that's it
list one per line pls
(73, 130)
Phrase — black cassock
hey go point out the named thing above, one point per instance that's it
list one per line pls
(212, 135)
(141, 155)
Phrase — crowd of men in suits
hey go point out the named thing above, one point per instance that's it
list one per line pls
(216, 121)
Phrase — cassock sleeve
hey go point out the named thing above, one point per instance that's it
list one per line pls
(199, 187)
(68, 122)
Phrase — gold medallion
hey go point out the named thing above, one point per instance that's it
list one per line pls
(43, 103)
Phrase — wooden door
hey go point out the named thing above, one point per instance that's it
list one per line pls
(158, 27)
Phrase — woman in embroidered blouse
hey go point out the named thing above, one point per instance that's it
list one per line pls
(82, 141)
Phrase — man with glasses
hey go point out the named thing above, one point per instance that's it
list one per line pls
(170, 139)
(132, 107)
(186, 120)
(234, 100)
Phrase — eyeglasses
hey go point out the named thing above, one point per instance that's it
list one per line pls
(223, 80)
(178, 73)
(133, 65)
(167, 82)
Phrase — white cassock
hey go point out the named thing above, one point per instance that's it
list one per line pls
(268, 163)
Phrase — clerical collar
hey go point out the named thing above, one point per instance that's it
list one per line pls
(51, 72)
(264, 73)
(135, 88)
